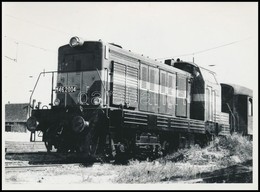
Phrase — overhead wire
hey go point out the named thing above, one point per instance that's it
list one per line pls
(205, 50)
(60, 31)
(43, 26)
(17, 42)
(29, 44)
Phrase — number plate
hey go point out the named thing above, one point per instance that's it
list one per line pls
(66, 89)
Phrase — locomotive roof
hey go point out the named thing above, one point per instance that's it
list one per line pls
(147, 60)
(144, 59)
(196, 65)
(239, 90)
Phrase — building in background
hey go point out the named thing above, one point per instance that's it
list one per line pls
(16, 115)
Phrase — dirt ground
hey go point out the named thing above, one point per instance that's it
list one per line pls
(61, 175)
(69, 174)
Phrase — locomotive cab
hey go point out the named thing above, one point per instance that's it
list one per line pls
(205, 97)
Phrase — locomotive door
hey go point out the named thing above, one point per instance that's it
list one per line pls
(163, 92)
(153, 89)
(210, 104)
(181, 99)
(171, 96)
(143, 88)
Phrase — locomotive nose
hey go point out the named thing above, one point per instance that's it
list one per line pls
(78, 124)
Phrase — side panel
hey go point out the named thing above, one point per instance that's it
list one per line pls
(163, 92)
(181, 101)
(208, 104)
(143, 101)
(154, 122)
(119, 79)
(153, 90)
(171, 96)
(125, 85)
(132, 86)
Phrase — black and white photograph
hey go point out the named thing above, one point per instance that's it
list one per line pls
(130, 95)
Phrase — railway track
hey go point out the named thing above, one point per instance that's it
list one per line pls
(240, 173)
(24, 146)
(30, 162)
(30, 167)
(47, 158)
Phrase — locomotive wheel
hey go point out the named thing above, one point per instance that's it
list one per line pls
(166, 147)
(94, 146)
(122, 153)
(91, 144)
(48, 146)
(62, 148)
(47, 141)
(95, 138)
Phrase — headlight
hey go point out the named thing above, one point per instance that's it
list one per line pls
(78, 124)
(76, 41)
(57, 102)
(97, 101)
(32, 124)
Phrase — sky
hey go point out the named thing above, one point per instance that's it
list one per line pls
(32, 32)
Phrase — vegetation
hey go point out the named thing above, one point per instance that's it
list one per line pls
(189, 163)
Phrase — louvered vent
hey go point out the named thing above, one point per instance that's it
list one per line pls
(119, 84)
(131, 86)
(125, 85)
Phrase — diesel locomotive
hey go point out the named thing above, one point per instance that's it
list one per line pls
(108, 101)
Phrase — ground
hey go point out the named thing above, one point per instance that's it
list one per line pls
(189, 166)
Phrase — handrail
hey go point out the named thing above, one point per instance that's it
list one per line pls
(52, 72)
(105, 90)
(232, 114)
(37, 83)
(30, 100)
(101, 80)
(33, 92)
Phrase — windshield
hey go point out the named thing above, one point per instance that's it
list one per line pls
(79, 62)
(84, 58)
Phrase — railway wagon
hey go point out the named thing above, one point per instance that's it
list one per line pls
(110, 101)
(238, 102)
